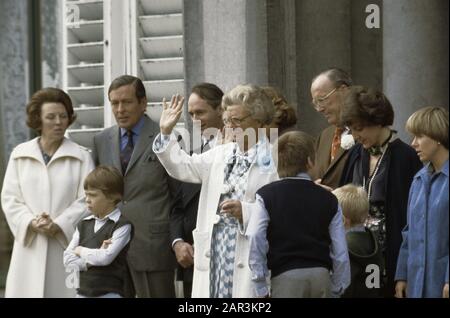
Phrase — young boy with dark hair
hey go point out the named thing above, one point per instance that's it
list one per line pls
(297, 230)
(100, 243)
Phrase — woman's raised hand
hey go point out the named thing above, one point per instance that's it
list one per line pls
(170, 114)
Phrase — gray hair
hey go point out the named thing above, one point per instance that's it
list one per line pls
(252, 98)
(337, 76)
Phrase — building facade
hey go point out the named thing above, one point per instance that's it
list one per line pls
(399, 46)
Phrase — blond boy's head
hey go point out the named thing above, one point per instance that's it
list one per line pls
(354, 203)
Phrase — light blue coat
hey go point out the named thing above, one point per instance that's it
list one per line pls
(423, 259)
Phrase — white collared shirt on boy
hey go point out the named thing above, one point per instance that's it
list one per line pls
(98, 256)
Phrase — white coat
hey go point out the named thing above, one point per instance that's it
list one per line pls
(208, 169)
(30, 187)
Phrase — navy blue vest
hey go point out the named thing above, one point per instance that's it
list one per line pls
(298, 232)
(100, 280)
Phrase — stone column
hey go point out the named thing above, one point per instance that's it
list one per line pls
(52, 43)
(367, 44)
(194, 68)
(281, 48)
(225, 43)
(14, 87)
(415, 56)
(235, 42)
(323, 40)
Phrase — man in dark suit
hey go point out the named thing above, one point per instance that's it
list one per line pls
(205, 110)
(328, 91)
(149, 192)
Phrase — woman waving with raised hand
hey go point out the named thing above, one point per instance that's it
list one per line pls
(230, 175)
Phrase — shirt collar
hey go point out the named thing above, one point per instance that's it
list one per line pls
(113, 216)
(429, 170)
(209, 141)
(136, 129)
(301, 175)
(445, 168)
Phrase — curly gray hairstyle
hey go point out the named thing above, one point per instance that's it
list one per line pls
(252, 98)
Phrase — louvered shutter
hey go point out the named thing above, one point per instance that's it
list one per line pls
(83, 73)
(159, 50)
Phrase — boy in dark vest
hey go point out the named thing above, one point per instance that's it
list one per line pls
(296, 230)
(365, 256)
(99, 245)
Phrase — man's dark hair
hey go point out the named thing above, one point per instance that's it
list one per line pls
(210, 93)
(128, 80)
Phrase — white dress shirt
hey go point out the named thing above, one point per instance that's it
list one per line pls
(98, 256)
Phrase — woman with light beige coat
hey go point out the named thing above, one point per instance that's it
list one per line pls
(43, 199)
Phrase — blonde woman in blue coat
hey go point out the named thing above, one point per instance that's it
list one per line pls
(422, 268)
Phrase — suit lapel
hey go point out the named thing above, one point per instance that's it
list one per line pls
(114, 141)
(144, 141)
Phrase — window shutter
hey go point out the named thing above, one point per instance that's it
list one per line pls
(83, 68)
(114, 37)
(159, 51)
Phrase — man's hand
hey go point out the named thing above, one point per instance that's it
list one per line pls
(171, 114)
(184, 253)
(445, 291)
(106, 243)
(400, 289)
(77, 250)
(233, 208)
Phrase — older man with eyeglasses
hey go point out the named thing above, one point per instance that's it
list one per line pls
(328, 90)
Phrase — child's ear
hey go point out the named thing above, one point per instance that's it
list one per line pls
(116, 198)
(310, 164)
(347, 222)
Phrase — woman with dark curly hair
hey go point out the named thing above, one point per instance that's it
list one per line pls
(382, 164)
(43, 198)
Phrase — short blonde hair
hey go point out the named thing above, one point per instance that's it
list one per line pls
(294, 149)
(431, 122)
(354, 203)
(252, 98)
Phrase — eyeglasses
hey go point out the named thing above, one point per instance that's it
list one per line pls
(318, 102)
(235, 121)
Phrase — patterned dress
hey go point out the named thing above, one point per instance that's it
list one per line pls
(223, 241)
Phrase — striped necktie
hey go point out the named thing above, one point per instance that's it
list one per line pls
(125, 154)
(336, 144)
